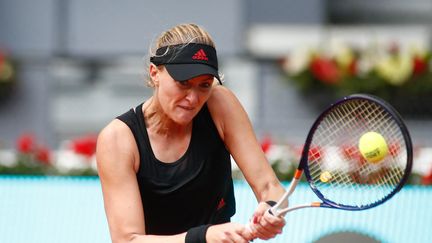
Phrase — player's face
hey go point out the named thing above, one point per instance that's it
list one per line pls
(182, 100)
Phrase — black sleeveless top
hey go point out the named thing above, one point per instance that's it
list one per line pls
(196, 189)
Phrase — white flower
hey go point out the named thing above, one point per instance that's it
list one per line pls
(67, 160)
(297, 61)
(282, 154)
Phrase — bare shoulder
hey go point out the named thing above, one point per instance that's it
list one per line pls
(116, 133)
(116, 145)
(223, 99)
(221, 93)
(224, 107)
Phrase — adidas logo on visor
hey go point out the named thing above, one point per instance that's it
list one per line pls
(200, 55)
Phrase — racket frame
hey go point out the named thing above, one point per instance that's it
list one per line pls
(303, 164)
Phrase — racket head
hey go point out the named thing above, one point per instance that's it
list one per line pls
(333, 165)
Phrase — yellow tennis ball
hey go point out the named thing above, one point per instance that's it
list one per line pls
(373, 147)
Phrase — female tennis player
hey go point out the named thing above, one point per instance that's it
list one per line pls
(164, 165)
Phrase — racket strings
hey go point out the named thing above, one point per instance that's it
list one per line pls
(346, 169)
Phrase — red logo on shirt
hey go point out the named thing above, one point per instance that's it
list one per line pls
(221, 204)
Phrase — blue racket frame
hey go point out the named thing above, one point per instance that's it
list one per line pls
(408, 143)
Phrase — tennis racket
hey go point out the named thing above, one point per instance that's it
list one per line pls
(335, 168)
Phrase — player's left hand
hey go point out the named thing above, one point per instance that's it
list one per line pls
(265, 225)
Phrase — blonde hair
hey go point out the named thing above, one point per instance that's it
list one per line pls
(179, 34)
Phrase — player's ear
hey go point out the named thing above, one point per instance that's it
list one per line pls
(154, 74)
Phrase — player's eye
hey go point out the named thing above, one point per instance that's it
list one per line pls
(205, 85)
(184, 83)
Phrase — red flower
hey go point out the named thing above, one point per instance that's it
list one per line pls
(351, 152)
(266, 143)
(326, 70)
(394, 148)
(26, 143)
(2, 59)
(315, 153)
(85, 145)
(427, 179)
(43, 155)
(419, 65)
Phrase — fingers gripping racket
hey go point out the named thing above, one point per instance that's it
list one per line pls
(335, 166)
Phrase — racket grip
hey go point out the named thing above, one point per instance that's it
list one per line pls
(271, 204)
(270, 211)
(273, 211)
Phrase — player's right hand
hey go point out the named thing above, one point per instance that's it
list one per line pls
(265, 226)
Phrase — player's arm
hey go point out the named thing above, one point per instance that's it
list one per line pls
(236, 130)
(117, 157)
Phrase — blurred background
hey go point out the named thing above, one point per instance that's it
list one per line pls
(68, 67)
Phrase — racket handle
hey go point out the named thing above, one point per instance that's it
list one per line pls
(274, 211)
(270, 211)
